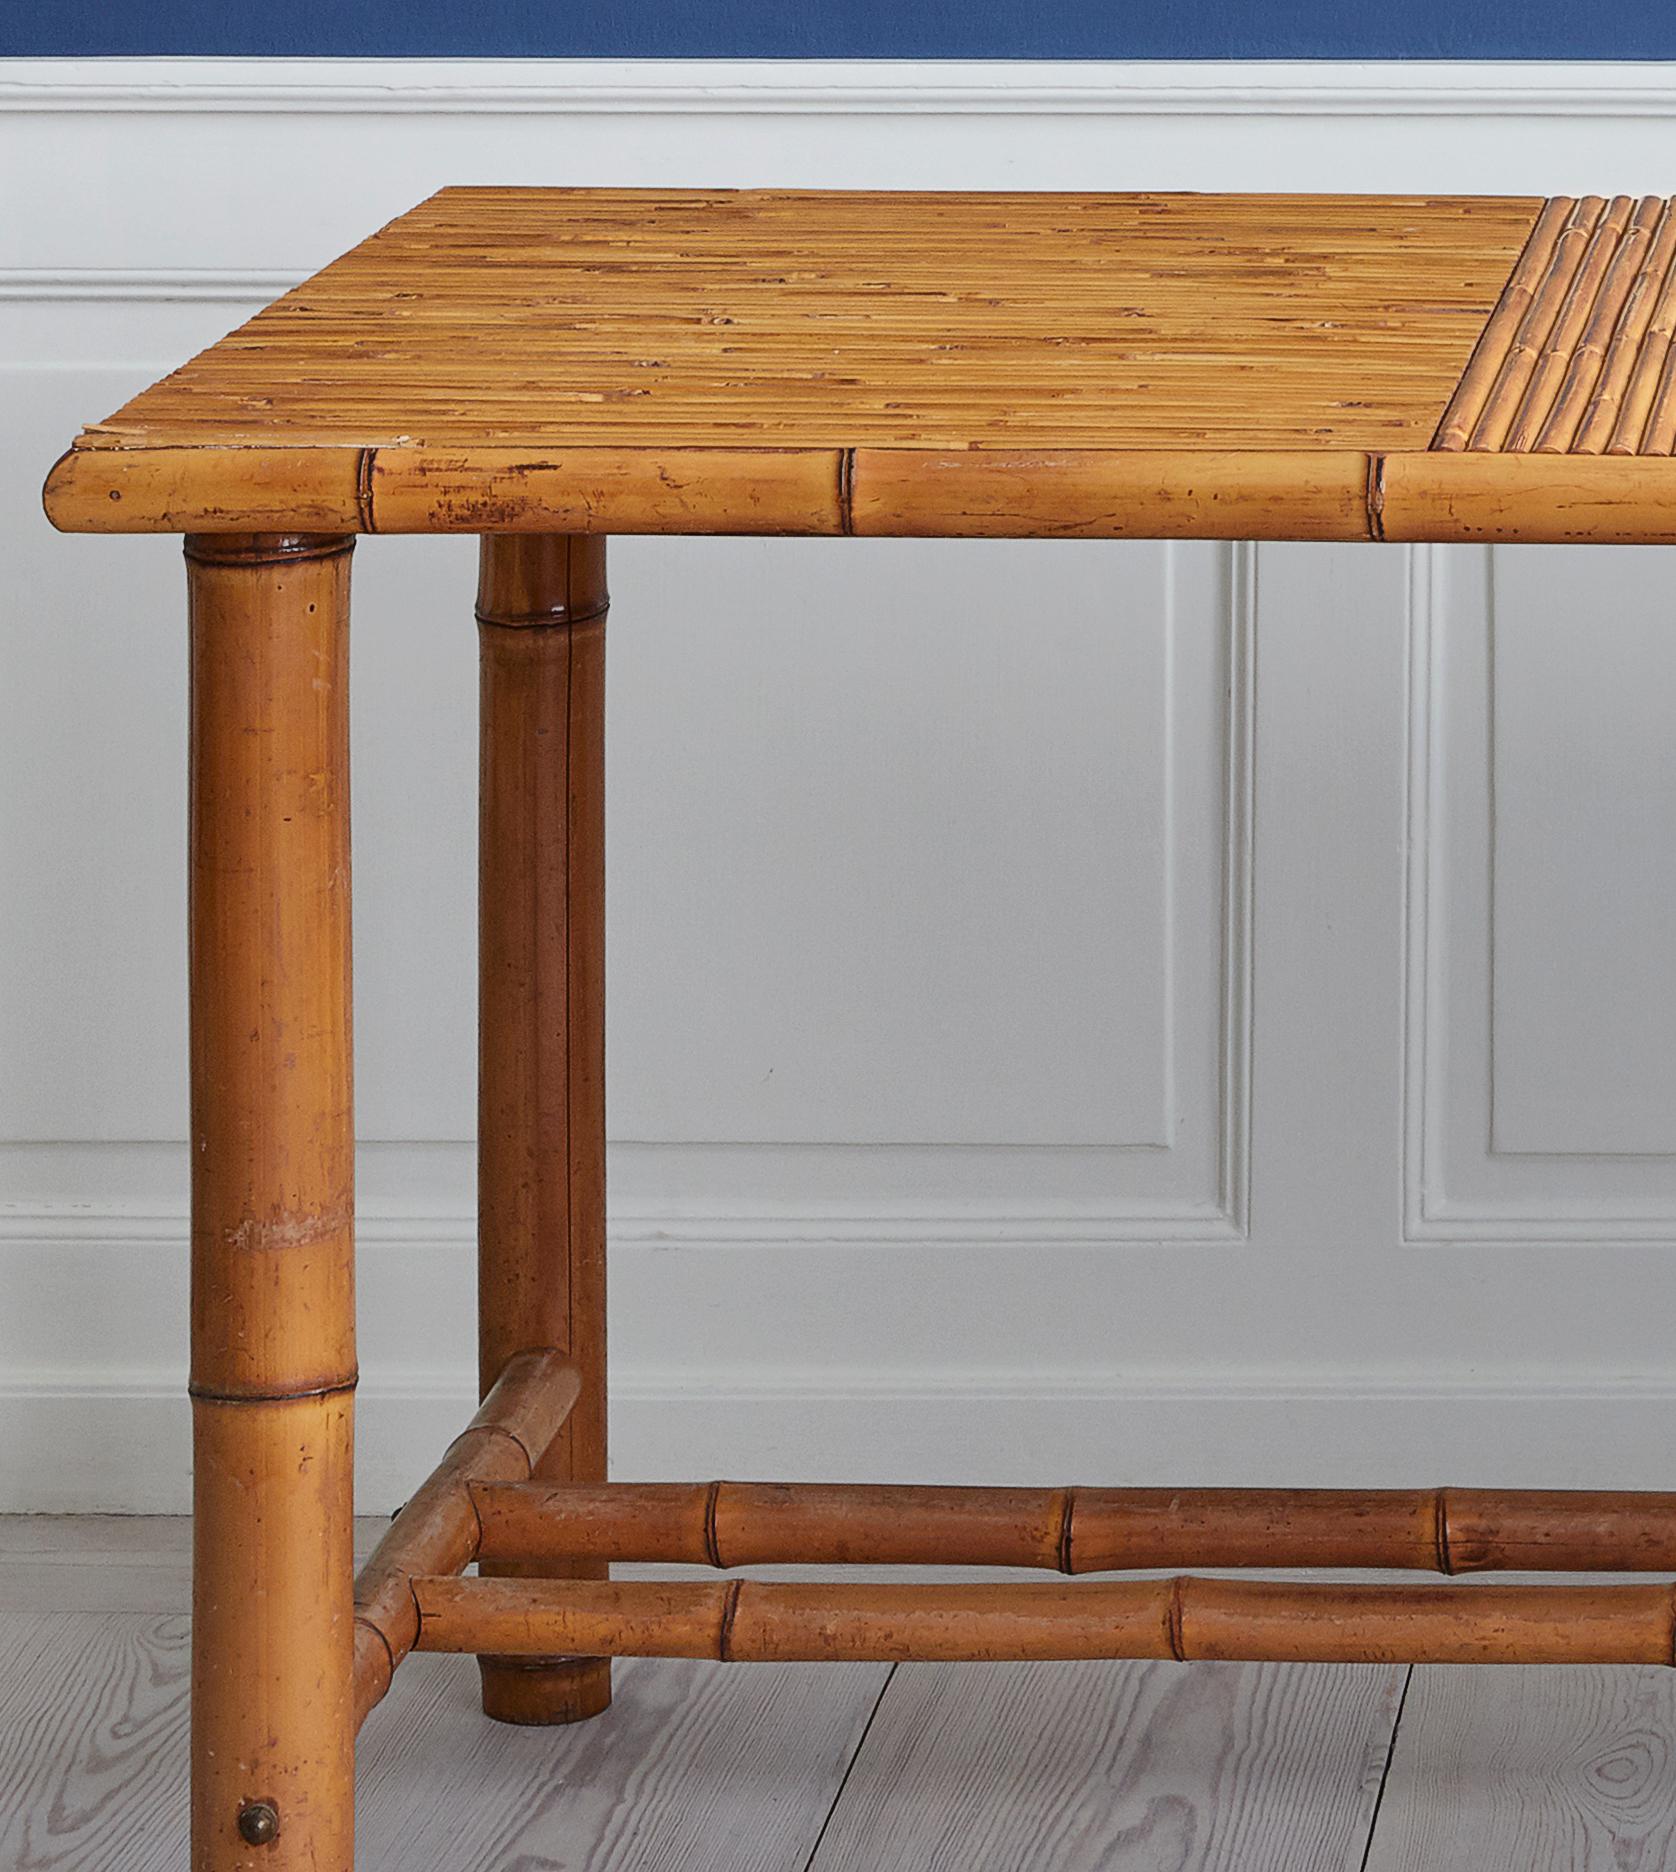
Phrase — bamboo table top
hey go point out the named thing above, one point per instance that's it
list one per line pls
(1172, 366)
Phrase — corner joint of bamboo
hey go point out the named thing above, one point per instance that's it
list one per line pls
(440, 1530)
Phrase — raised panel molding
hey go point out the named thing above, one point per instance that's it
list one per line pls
(1182, 1175)
(1170, 1157)
(1461, 1182)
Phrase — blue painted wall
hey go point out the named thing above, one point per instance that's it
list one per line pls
(1460, 29)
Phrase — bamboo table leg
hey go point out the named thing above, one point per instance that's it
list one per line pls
(541, 1086)
(273, 1328)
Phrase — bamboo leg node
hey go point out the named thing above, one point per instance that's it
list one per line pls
(541, 605)
(273, 1321)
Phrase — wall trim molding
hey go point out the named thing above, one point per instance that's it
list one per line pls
(954, 1384)
(682, 1227)
(1421, 1196)
(118, 1442)
(756, 87)
(131, 285)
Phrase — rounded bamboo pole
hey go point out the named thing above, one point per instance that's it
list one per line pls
(273, 1326)
(541, 1064)
(437, 1530)
(1621, 496)
(1497, 337)
(1182, 1618)
(1548, 301)
(1590, 500)
(1081, 1530)
(1188, 492)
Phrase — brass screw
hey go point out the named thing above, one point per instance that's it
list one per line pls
(258, 1823)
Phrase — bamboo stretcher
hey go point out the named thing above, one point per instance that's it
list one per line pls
(477, 1507)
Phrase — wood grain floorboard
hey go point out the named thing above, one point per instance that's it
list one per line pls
(1537, 1769)
(696, 1766)
(1118, 1768)
(92, 1742)
(962, 1768)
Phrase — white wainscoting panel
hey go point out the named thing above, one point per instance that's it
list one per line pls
(1542, 1041)
(1079, 1012)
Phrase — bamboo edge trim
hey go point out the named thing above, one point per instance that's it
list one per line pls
(1402, 495)
(1170, 493)
(1075, 1530)
(1186, 1617)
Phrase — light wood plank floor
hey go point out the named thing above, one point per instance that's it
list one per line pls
(849, 1768)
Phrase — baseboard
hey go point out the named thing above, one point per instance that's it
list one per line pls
(120, 1444)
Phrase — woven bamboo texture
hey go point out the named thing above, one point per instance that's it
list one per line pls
(538, 317)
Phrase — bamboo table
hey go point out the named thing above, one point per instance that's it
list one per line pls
(544, 368)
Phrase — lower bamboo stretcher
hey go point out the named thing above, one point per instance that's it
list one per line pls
(755, 1621)
(479, 1506)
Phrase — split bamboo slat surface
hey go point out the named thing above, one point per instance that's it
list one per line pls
(541, 605)
(437, 1531)
(273, 1304)
(1576, 358)
(1079, 1530)
(554, 361)
(1183, 1618)
(847, 319)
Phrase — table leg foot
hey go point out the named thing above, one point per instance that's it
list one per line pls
(545, 1690)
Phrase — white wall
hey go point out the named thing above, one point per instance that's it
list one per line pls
(1081, 1012)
